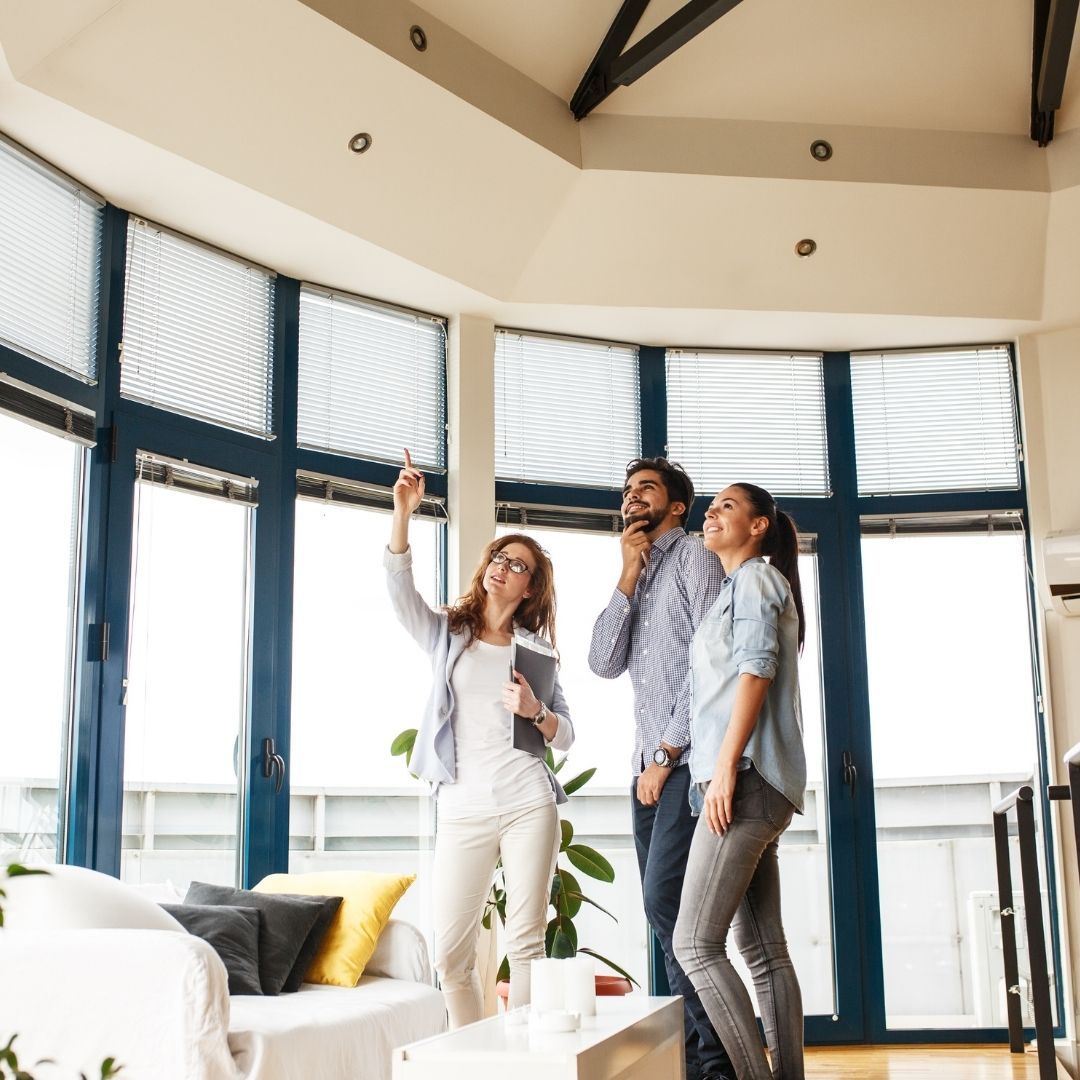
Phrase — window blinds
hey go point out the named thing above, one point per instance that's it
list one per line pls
(753, 417)
(935, 420)
(46, 411)
(331, 489)
(50, 263)
(566, 411)
(182, 475)
(197, 337)
(372, 380)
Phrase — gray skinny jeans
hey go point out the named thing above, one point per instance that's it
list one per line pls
(733, 881)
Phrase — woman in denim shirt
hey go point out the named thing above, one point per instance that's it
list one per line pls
(748, 775)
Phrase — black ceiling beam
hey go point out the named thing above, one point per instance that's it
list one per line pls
(611, 70)
(594, 85)
(1054, 25)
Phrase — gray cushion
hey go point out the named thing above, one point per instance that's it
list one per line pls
(234, 934)
(284, 925)
(306, 956)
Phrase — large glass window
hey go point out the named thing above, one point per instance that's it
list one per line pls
(951, 702)
(358, 680)
(187, 673)
(40, 492)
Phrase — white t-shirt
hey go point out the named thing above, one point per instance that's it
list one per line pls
(492, 777)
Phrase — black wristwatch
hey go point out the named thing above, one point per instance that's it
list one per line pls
(662, 758)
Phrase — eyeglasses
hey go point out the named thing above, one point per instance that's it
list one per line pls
(500, 558)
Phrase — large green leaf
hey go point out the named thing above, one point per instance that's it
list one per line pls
(569, 902)
(549, 760)
(591, 862)
(557, 768)
(567, 834)
(585, 900)
(579, 781)
(564, 943)
(611, 964)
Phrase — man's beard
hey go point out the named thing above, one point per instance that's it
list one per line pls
(653, 517)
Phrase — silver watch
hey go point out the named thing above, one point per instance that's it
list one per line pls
(541, 716)
(662, 758)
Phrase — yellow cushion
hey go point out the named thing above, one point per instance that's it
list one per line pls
(369, 898)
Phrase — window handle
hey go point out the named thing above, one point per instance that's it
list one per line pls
(273, 762)
(850, 772)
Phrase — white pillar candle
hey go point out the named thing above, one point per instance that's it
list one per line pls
(581, 985)
(548, 988)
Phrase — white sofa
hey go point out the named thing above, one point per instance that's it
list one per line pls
(157, 1001)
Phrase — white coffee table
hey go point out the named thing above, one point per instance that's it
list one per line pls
(631, 1038)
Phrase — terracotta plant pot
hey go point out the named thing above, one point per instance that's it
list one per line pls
(606, 986)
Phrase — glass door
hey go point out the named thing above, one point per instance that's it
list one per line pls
(187, 673)
(952, 728)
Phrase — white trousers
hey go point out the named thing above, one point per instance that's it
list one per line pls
(466, 854)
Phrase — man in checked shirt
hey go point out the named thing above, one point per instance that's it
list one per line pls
(667, 582)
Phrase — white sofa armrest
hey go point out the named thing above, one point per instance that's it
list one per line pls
(156, 1000)
(400, 953)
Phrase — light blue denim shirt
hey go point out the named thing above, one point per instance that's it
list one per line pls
(753, 628)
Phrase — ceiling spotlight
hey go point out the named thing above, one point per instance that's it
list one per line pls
(820, 150)
(418, 38)
(805, 248)
(360, 143)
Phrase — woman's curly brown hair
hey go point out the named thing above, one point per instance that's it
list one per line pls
(536, 612)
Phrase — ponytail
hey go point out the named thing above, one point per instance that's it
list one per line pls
(780, 543)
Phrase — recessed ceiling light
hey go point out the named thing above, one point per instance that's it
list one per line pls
(820, 150)
(418, 38)
(360, 143)
(805, 248)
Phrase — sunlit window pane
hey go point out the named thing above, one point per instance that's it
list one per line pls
(358, 680)
(40, 489)
(187, 675)
(950, 710)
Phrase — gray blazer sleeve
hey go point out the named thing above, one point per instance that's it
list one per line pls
(411, 609)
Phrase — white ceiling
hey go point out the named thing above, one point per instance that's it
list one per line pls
(954, 65)
(668, 216)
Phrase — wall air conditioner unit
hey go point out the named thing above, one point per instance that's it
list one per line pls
(1061, 564)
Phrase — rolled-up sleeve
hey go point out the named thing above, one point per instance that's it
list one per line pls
(610, 647)
(564, 734)
(756, 605)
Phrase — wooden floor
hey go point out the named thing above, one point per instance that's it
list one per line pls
(920, 1063)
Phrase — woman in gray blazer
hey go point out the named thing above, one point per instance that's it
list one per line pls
(494, 801)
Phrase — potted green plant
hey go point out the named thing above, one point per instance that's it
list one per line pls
(567, 898)
(9, 1062)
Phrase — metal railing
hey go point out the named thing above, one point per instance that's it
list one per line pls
(1023, 801)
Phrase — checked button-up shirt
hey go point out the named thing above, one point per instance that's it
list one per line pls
(649, 635)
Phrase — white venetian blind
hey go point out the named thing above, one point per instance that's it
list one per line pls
(197, 331)
(752, 417)
(935, 420)
(566, 411)
(50, 256)
(372, 380)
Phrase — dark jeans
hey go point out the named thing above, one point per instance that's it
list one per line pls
(733, 883)
(662, 835)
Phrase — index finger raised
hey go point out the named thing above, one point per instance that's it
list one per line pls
(408, 458)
